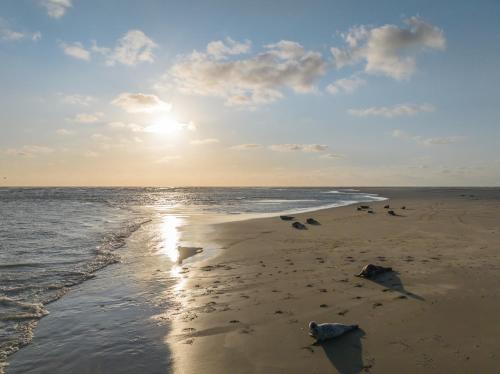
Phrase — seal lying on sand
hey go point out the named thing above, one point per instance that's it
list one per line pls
(371, 271)
(312, 221)
(299, 226)
(287, 218)
(325, 331)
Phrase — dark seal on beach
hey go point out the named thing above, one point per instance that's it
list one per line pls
(312, 221)
(299, 226)
(287, 218)
(371, 271)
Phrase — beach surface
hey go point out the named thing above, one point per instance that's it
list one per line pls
(247, 309)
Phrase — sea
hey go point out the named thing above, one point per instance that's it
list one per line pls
(53, 239)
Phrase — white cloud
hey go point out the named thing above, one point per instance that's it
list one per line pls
(127, 126)
(75, 50)
(331, 156)
(167, 159)
(7, 34)
(298, 147)
(88, 117)
(389, 50)
(220, 49)
(345, 85)
(204, 141)
(397, 133)
(77, 99)
(64, 132)
(246, 147)
(56, 8)
(134, 47)
(140, 103)
(29, 150)
(394, 111)
(250, 81)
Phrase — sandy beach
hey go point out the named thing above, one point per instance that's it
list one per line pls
(247, 309)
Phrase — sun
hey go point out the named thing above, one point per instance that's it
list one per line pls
(165, 124)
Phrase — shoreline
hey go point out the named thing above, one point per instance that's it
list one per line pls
(245, 306)
(249, 306)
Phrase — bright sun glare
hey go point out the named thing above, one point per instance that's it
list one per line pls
(166, 124)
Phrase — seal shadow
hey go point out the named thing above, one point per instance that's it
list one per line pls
(391, 280)
(346, 352)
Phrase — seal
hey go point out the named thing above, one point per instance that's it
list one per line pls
(371, 271)
(325, 331)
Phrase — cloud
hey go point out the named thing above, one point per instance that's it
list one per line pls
(220, 49)
(88, 117)
(140, 103)
(77, 99)
(29, 150)
(331, 156)
(127, 126)
(204, 141)
(64, 132)
(133, 48)
(7, 34)
(167, 159)
(250, 81)
(394, 111)
(400, 134)
(345, 85)
(75, 50)
(56, 8)
(298, 147)
(389, 50)
(246, 147)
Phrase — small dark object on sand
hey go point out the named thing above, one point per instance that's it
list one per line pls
(370, 211)
(326, 331)
(365, 207)
(287, 218)
(312, 221)
(403, 207)
(386, 207)
(299, 226)
(359, 208)
(371, 271)
(392, 213)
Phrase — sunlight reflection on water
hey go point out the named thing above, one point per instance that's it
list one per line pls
(170, 236)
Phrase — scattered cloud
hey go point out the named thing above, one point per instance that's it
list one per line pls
(298, 147)
(140, 103)
(88, 117)
(56, 8)
(75, 50)
(221, 50)
(400, 134)
(132, 48)
(7, 34)
(204, 141)
(126, 126)
(345, 85)
(246, 147)
(29, 150)
(257, 79)
(389, 50)
(77, 99)
(331, 156)
(167, 159)
(394, 111)
(64, 132)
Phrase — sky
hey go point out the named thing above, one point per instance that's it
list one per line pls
(249, 93)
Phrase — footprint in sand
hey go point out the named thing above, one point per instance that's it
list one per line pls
(376, 305)
(401, 297)
(189, 341)
(343, 312)
(323, 290)
(189, 329)
(323, 306)
(234, 321)
(278, 312)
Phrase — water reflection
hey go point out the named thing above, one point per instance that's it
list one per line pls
(170, 236)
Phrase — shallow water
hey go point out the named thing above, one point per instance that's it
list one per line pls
(55, 238)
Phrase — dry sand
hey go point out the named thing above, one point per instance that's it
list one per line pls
(247, 309)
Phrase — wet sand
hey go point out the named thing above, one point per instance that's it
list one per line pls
(247, 309)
